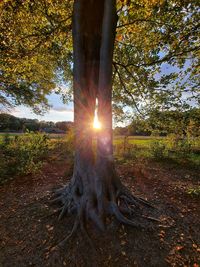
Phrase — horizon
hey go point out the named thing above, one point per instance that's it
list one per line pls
(57, 112)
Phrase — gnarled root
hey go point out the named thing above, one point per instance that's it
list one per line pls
(94, 200)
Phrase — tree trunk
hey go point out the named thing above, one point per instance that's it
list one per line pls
(95, 190)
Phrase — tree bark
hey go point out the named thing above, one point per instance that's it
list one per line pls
(95, 191)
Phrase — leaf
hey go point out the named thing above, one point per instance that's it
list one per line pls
(178, 248)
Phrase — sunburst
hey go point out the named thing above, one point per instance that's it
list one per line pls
(96, 123)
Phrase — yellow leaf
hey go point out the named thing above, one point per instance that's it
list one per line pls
(179, 248)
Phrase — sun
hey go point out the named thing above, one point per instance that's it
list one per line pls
(96, 123)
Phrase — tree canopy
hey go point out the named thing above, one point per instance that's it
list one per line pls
(153, 36)
(34, 50)
(180, 123)
(156, 58)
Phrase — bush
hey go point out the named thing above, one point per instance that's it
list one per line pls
(125, 150)
(65, 147)
(181, 146)
(23, 154)
(158, 149)
(155, 133)
(70, 141)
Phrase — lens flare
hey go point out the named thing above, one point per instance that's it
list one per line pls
(96, 123)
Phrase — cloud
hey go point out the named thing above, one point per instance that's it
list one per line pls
(56, 113)
(15, 111)
(62, 109)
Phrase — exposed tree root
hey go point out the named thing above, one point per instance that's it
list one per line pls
(75, 227)
(95, 200)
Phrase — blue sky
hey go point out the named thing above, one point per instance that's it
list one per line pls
(64, 112)
(58, 111)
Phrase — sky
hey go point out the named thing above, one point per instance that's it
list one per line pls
(58, 111)
(64, 112)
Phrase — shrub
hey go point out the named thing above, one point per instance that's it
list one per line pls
(70, 141)
(155, 133)
(157, 149)
(181, 146)
(184, 147)
(65, 147)
(125, 150)
(23, 154)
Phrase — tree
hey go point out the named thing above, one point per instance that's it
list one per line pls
(31, 37)
(9, 123)
(144, 34)
(177, 122)
(95, 189)
(64, 125)
(154, 36)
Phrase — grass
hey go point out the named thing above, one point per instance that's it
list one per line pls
(137, 140)
(9, 134)
(125, 149)
(142, 141)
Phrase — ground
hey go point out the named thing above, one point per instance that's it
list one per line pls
(29, 230)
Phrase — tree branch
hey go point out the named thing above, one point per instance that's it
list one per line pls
(137, 21)
(125, 89)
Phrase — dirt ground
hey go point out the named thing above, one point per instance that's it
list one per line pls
(29, 230)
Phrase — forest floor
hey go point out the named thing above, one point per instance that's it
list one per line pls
(29, 230)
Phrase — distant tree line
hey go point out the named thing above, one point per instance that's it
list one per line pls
(163, 123)
(10, 123)
(156, 123)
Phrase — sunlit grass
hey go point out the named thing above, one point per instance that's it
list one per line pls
(135, 140)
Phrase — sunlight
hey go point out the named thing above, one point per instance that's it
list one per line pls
(96, 123)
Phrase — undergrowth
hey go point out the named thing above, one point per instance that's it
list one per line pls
(22, 155)
(25, 154)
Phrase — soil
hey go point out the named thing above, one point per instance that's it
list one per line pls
(29, 228)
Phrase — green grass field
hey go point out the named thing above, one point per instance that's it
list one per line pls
(125, 148)
(137, 140)
(141, 141)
